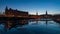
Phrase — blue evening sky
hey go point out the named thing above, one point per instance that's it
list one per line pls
(32, 6)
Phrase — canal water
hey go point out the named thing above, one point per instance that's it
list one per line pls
(33, 27)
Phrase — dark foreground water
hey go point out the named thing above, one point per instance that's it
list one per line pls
(33, 27)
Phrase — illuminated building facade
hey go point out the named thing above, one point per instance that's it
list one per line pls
(11, 12)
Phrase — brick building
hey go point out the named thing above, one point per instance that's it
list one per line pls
(10, 12)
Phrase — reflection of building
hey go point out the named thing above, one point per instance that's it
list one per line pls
(11, 12)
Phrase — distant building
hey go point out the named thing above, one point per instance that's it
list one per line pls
(46, 12)
(36, 13)
(46, 15)
(11, 12)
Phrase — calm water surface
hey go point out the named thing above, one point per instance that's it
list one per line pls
(33, 27)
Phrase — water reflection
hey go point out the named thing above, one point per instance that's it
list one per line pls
(30, 27)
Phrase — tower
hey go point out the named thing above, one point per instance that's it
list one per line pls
(46, 12)
(6, 8)
(36, 13)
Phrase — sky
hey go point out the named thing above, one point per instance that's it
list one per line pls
(32, 6)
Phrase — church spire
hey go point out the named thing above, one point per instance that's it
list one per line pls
(46, 12)
(6, 8)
